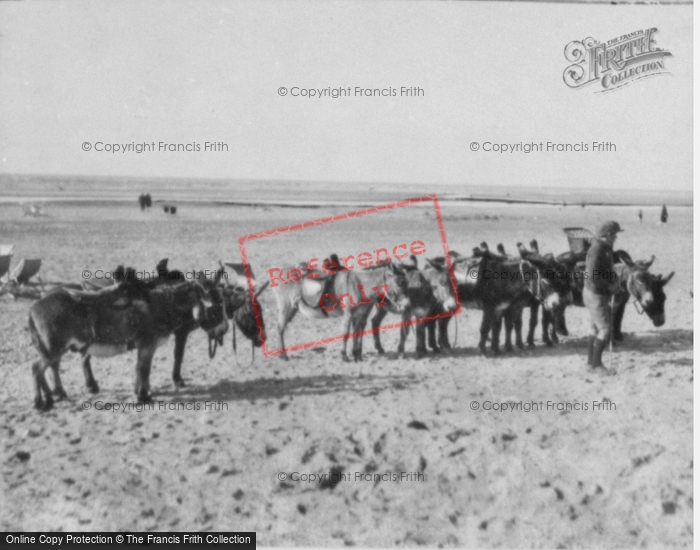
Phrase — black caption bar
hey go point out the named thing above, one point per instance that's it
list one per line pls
(234, 539)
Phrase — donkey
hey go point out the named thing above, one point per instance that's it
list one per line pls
(239, 306)
(117, 319)
(349, 294)
(636, 282)
(644, 288)
(551, 286)
(216, 308)
(499, 286)
(430, 293)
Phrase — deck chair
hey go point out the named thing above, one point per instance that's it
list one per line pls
(5, 259)
(25, 270)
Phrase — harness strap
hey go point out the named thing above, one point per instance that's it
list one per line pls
(634, 292)
(538, 294)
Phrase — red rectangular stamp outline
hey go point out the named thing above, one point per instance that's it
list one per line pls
(356, 214)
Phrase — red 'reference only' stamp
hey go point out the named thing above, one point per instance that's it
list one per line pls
(361, 269)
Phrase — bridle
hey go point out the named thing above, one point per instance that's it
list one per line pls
(538, 294)
(634, 291)
(218, 340)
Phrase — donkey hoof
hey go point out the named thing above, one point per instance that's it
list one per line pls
(60, 393)
(380, 350)
(42, 405)
(179, 383)
(145, 399)
(344, 357)
(93, 388)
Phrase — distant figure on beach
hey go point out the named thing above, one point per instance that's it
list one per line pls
(640, 216)
(145, 201)
(664, 214)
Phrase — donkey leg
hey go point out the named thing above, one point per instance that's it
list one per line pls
(421, 349)
(283, 319)
(359, 326)
(617, 322)
(486, 325)
(546, 320)
(90, 381)
(443, 337)
(560, 323)
(553, 326)
(58, 390)
(534, 308)
(41, 387)
(509, 324)
(345, 329)
(496, 332)
(376, 322)
(180, 342)
(403, 332)
(432, 340)
(143, 372)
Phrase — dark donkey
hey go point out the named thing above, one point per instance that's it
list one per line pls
(636, 282)
(215, 308)
(430, 293)
(551, 286)
(646, 290)
(117, 319)
(498, 285)
(348, 294)
(239, 306)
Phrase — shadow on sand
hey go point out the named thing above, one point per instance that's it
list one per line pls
(278, 388)
(659, 342)
(652, 342)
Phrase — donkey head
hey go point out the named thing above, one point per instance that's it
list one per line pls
(648, 290)
(239, 308)
(441, 284)
(209, 311)
(397, 280)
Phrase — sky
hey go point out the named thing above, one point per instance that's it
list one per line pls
(194, 72)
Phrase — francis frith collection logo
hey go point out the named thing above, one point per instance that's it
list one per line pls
(615, 63)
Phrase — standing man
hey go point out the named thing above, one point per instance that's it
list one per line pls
(601, 283)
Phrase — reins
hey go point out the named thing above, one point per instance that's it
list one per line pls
(235, 352)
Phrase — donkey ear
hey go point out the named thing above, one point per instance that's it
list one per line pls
(522, 250)
(433, 264)
(396, 268)
(646, 265)
(666, 279)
